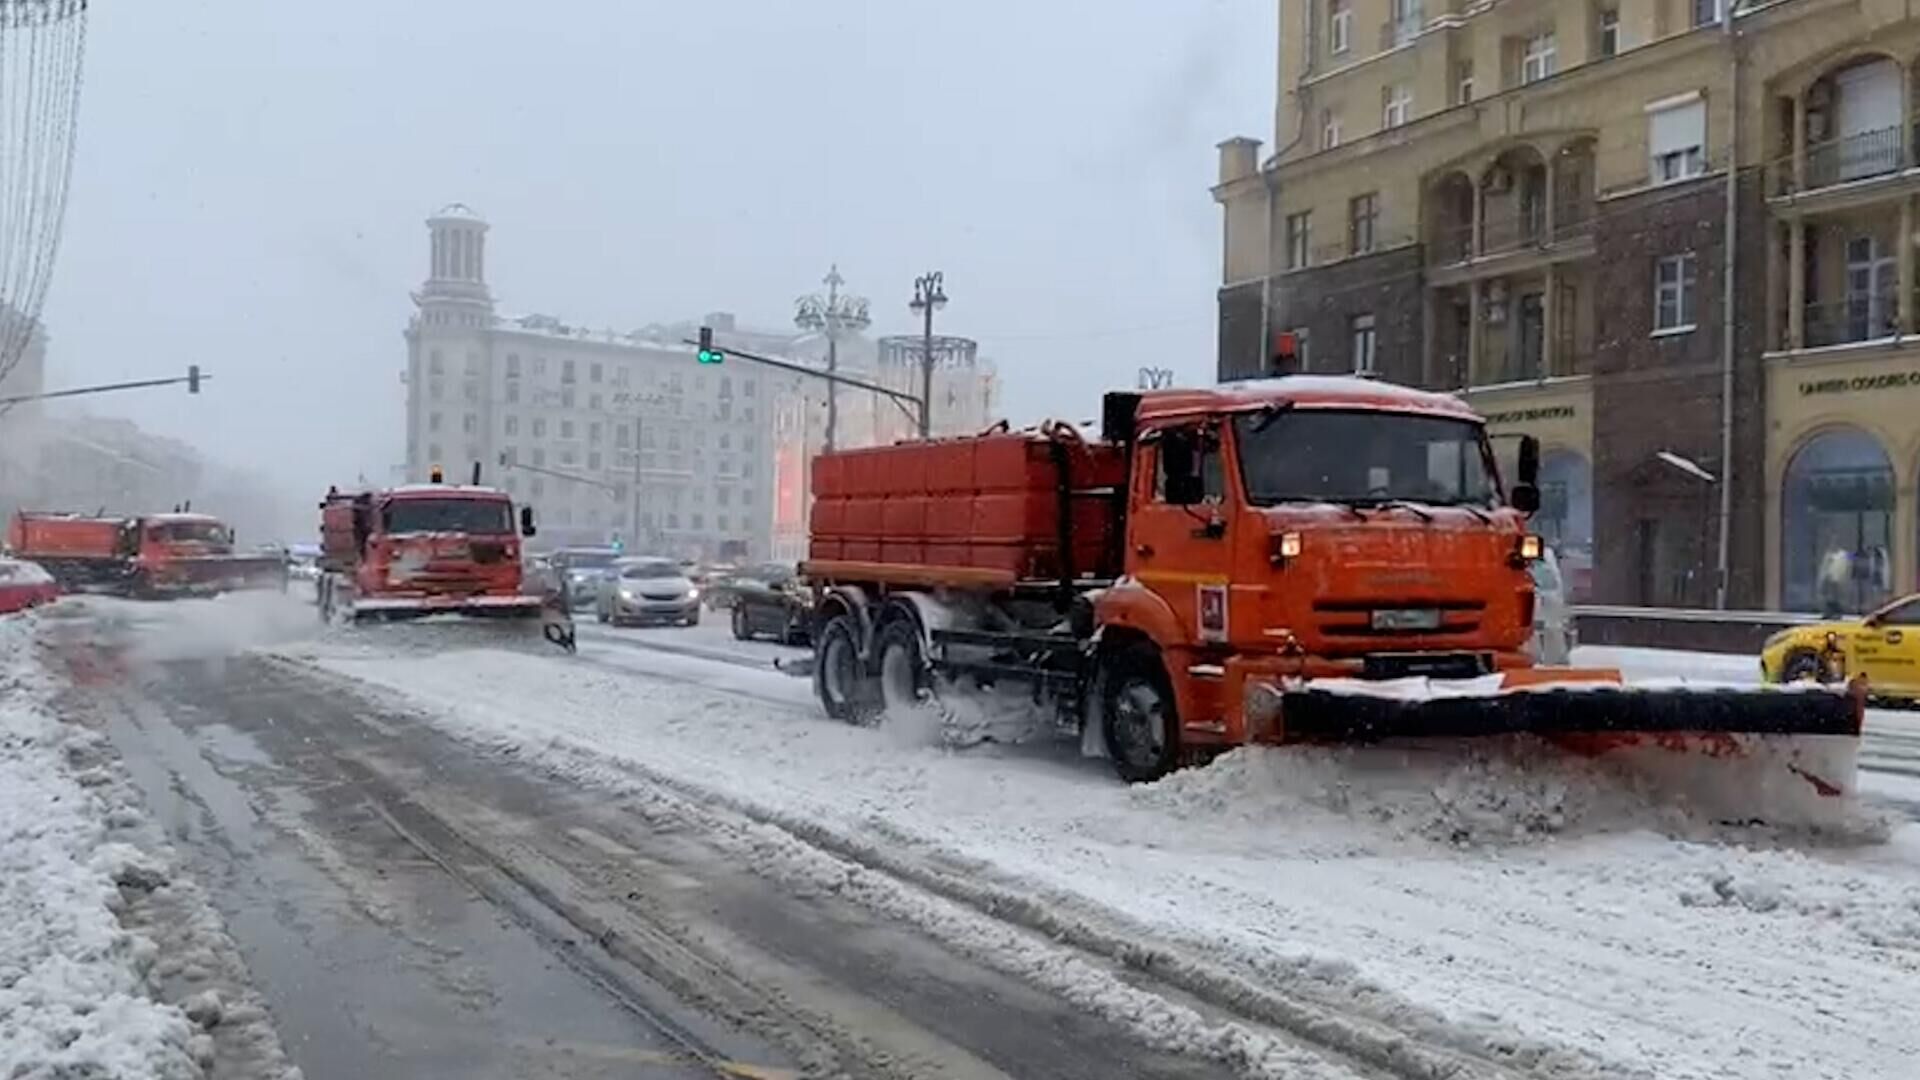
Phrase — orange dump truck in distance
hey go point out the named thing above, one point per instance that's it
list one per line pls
(153, 555)
(1287, 560)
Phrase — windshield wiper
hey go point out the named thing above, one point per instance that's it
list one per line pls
(1270, 413)
(1402, 504)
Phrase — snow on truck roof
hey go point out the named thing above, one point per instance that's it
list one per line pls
(466, 490)
(1321, 391)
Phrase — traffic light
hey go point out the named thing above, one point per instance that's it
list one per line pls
(709, 354)
(193, 378)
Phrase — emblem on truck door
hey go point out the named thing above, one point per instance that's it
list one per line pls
(1213, 612)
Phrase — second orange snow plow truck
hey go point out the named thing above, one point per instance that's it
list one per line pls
(1301, 559)
(150, 556)
(430, 549)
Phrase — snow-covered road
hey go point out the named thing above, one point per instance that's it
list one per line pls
(1528, 914)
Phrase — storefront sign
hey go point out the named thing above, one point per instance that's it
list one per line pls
(1527, 416)
(1890, 380)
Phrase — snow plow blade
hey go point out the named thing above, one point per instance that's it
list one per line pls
(214, 574)
(1782, 755)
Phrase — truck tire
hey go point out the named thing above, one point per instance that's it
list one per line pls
(1138, 715)
(848, 691)
(903, 678)
(323, 598)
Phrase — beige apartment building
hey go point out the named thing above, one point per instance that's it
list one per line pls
(1674, 239)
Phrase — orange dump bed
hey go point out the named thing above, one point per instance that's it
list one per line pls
(40, 536)
(989, 502)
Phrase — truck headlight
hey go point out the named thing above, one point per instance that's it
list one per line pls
(1529, 547)
(1283, 546)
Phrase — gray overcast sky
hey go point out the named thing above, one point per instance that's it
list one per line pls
(253, 176)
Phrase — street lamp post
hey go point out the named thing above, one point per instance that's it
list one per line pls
(835, 315)
(929, 296)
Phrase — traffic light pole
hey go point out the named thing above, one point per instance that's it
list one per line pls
(193, 378)
(916, 404)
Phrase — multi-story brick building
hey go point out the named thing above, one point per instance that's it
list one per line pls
(1675, 242)
(568, 408)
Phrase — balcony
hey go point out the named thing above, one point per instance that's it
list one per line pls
(1870, 154)
(1524, 209)
(1845, 138)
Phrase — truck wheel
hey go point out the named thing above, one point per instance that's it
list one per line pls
(846, 689)
(1139, 716)
(324, 599)
(903, 678)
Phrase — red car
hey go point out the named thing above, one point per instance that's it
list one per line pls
(24, 585)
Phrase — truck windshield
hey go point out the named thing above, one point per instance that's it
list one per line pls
(1327, 455)
(476, 516)
(188, 532)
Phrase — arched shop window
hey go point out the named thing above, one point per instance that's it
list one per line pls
(1565, 520)
(1836, 530)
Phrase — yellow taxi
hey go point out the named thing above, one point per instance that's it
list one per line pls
(1883, 646)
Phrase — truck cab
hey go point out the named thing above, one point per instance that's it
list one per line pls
(1361, 528)
(426, 548)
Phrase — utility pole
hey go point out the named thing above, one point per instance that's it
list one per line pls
(929, 296)
(639, 418)
(835, 315)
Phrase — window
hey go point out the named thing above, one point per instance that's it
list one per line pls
(1871, 290)
(513, 425)
(433, 451)
(539, 365)
(593, 461)
(1360, 331)
(539, 456)
(1187, 468)
(566, 429)
(746, 473)
(539, 428)
(622, 436)
(593, 432)
(1706, 12)
(1363, 216)
(436, 389)
(513, 392)
(1396, 106)
(726, 386)
(433, 421)
(1609, 31)
(673, 439)
(746, 443)
(1329, 129)
(746, 387)
(673, 520)
(566, 397)
(1299, 233)
(566, 456)
(726, 441)
(593, 402)
(594, 372)
(1463, 82)
(469, 423)
(435, 364)
(513, 364)
(1339, 26)
(699, 520)
(472, 390)
(1673, 283)
(473, 363)
(566, 371)
(720, 496)
(720, 522)
(620, 376)
(1677, 139)
(1539, 58)
(537, 487)
(1405, 17)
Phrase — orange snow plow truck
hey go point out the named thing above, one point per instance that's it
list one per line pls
(151, 556)
(1295, 560)
(430, 549)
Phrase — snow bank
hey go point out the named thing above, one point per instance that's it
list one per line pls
(73, 989)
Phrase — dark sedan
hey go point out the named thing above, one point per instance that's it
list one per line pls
(771, 605)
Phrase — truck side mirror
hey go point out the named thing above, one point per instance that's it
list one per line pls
(1529, 462)
(1525, 498)
(526, 521)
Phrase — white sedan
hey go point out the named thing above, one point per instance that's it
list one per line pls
(647, 590)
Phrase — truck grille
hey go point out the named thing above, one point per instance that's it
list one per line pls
(1354, 618)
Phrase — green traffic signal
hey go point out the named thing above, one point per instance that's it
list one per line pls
(712, 356)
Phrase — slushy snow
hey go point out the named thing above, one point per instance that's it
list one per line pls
(74, 997)
(1511, 907)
